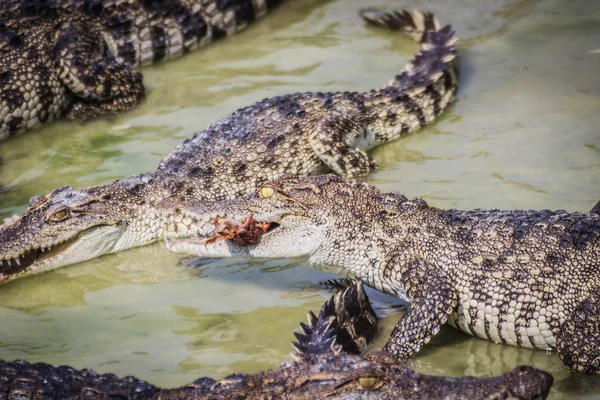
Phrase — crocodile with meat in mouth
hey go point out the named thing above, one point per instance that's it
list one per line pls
(524, 278)
(300, 133)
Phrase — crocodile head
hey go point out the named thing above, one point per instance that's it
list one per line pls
(338, 226)
(332, 222)
(373, 377)
(64, 227)
(294, 217)
(377, 377)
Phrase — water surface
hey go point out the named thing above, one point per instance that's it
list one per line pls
(523, 133)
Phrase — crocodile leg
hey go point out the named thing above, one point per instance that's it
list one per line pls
(578, 341)
(101, 82)
(327, 141)
(432, 302)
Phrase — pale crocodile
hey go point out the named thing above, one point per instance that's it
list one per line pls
(325, 366)
(300, 133)
(78, 57)
(524, 278)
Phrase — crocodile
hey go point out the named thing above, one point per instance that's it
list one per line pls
(325, 365)
(523, 278)
(78, 57)
(301, 133)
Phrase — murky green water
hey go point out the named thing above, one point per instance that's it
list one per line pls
(523, 133)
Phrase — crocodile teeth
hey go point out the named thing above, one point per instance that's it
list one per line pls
(18, 261)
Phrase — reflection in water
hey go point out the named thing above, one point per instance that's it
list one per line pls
(229, 340)
(523, 133)
(66, 287)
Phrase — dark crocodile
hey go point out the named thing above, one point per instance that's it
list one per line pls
(79, 56)
(325, 366)
(300, 133)
(525, 278)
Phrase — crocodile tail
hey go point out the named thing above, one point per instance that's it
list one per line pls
(346, 323)
(149, 31)
(434, 70)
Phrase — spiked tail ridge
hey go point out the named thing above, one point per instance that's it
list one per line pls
(429, 81)
(414, 23)
(346, 323)
(437, 56)
(356, 320)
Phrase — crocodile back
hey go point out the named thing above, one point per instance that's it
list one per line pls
(544, 236)
(519, 274)
(251, 146)
(21, 380)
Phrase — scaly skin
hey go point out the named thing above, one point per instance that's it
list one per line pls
(525, 278)
(300, 133)
(322, 370)
(78, 56)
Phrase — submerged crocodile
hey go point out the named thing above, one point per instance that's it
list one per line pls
(525, 278)
(300, 133)
(324, 367)
(78, 56)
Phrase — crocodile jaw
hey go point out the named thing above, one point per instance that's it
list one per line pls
(85, 245)
(96, 241)
(288, 236)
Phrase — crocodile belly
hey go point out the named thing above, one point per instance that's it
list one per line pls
(488, 322)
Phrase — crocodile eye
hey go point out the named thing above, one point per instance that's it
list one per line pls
(266, 192)
(59, 215)
(368, 381)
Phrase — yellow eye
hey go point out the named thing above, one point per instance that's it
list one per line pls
(266, 192)
(368, 381)
(59, 215)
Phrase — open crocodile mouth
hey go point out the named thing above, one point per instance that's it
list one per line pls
(22, 262)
